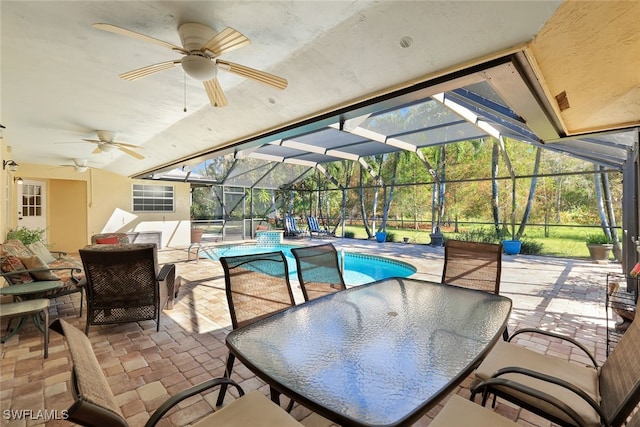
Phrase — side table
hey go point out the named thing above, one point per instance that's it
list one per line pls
(24, 308)
(26, 293)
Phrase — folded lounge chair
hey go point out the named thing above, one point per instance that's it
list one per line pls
(314, 227)
(290, 227)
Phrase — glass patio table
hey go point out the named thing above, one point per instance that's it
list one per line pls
(380, 354)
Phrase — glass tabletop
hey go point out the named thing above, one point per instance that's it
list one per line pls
(377, 354)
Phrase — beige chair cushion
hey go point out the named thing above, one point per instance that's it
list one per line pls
(253, 409)
(506, 354)
(33, 263)
(460, 412)
(39, 249)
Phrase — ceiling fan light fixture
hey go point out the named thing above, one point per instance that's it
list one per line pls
(199, 67)
(81, 168)
(106, 147)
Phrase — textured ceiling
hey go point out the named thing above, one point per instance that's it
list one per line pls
(60, 75)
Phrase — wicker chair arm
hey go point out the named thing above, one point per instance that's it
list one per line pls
(559, 336)
(165, 271)
(505, 383)
(185, 394)
(548, 378)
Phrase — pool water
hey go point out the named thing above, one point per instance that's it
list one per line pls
(358, 269)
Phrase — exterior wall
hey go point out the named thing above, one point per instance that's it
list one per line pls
(82, 204)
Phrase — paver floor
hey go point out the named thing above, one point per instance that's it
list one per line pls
(144, 367)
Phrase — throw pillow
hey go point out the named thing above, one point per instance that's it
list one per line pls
(12, 264)
(39, 249)
(33, 263)
(108, 241)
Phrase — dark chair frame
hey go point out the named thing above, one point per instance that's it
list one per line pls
(256, 277)
(619, 382)
(318, 270)
(123, 285)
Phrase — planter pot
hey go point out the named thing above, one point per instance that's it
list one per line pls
(405, 239)
(196, 235)
(381, 236)
(599, 253)
(436, 239)
(512, 247)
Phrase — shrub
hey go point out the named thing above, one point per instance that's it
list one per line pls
(597, 239)
(531, 247)
(391, 237)
(349, 234)
(482, 235)
(27, 235)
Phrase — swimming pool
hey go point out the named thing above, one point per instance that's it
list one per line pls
(358, 268)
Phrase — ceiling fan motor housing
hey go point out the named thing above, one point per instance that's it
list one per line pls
(193, 36)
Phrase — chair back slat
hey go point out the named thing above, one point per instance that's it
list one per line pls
(318, 270)
(620, 377)
(473, 265)
(257, 285)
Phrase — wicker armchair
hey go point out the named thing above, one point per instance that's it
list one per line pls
(95, 404)
(257, 286)
(110, 239)
(123, 284)
(318, 270)
(566, 393)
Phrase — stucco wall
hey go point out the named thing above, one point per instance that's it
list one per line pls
(82, 204)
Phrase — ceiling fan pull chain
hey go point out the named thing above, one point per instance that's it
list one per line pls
(185, 92)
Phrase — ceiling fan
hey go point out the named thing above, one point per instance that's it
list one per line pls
(201, 47)
(79, 164)
(106, 144)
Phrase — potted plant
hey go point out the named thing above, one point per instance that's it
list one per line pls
(600, 247)
(27, 235)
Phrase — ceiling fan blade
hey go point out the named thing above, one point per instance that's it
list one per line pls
(149, 69)
(128, 33)
(225, 41)
(131, 153)
(93, 141)
(216, 95)
(252, 73)
(124, 144)
(97, 151)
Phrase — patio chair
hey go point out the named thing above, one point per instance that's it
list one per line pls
(318, 270)
(290, 227)
(257, 285)
(580, 395)
(462, 412)
(124, 285)
(314, 227)
(95, 404)
(473, 265)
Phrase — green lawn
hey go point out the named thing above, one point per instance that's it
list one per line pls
(567, 242)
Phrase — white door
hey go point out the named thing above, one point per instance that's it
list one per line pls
(32, 204)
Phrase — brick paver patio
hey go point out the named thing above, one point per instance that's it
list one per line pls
(144, 367)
